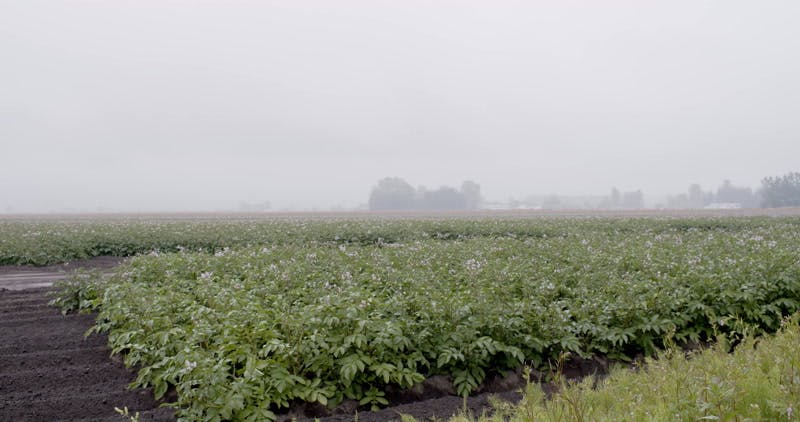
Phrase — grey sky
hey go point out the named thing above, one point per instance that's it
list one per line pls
(198, 105)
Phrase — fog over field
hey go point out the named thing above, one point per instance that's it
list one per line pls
(202, 105)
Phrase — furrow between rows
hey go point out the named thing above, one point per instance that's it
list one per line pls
(18, 308)
(92, 355)
(48, 379)
(77, 402)
(22, 321)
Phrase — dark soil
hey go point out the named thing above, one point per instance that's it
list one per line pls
(436, 400)
(440, 408)
(49, 371)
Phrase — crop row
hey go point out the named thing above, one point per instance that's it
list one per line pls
(244, 332)
(49, 241)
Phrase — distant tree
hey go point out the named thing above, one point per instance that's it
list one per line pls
(781, 191)
(444, 198)
(633, 200)
(613, 201)
(392, 193)
(728, 193)
(679, 201)
(616, 198)
(471, 192)
(698, 198)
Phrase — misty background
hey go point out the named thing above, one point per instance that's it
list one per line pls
(215, 105)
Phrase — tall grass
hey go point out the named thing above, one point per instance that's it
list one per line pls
(759, 381)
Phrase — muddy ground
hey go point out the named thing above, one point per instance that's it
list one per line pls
(50, 372)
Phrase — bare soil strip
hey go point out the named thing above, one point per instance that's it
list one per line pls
(50, 372)
(18, 277)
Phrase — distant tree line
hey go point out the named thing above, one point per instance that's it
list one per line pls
(632, 200)
(726, 194)
(781, 191)
(775, 192)
(394, 193)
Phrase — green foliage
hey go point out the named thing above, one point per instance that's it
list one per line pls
(332, 310)
(78, 293)
(759, 381)
(46, 241)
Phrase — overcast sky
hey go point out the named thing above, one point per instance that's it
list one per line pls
(199, 105)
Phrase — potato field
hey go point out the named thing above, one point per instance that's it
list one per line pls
(247, 319)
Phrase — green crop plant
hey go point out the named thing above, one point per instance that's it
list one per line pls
(50, 240)
(758, 381)
(247, 318)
